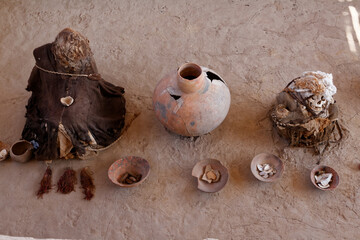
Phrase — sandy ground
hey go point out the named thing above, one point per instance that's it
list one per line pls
(257, 47)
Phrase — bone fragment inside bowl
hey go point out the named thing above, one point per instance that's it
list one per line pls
(210, 175)
(128, 178)
(266, 170)
(323, 179)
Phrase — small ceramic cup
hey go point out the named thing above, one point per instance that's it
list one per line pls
(21, 151)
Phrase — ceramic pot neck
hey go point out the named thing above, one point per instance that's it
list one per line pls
(190, 78)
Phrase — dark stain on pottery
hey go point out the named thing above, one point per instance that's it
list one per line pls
(162, 109)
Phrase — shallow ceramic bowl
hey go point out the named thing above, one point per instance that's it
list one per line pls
(270, 159)
(7, 148)
(335, 179)
(204, 186)
(131, 164)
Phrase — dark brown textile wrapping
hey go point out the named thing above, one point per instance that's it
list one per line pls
(99, 107)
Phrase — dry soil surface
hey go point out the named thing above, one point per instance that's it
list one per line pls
(257, 47)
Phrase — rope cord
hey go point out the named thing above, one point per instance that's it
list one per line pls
(65, 74)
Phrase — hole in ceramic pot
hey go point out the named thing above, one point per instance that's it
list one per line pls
(190, 71)
(212, 76)
(20, 148)
(176, 97)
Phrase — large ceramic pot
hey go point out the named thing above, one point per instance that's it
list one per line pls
(191, 101)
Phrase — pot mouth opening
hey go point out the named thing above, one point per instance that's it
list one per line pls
(190, 71)
(20, 148)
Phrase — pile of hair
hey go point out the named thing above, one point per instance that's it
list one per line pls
(45, 184)
(67, 181)
(87, 183)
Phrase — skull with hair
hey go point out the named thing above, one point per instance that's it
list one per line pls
(306, 112)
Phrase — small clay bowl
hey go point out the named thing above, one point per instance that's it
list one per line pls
(7, 148)
(271, 159)
(335, 179)
(21, 151)
(204, 186)
(131, 164)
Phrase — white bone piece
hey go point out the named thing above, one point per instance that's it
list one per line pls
(323, 180)
(260, 167)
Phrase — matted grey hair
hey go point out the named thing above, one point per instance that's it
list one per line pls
(72, 50)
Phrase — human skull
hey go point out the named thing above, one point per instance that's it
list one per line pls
(317, 103)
